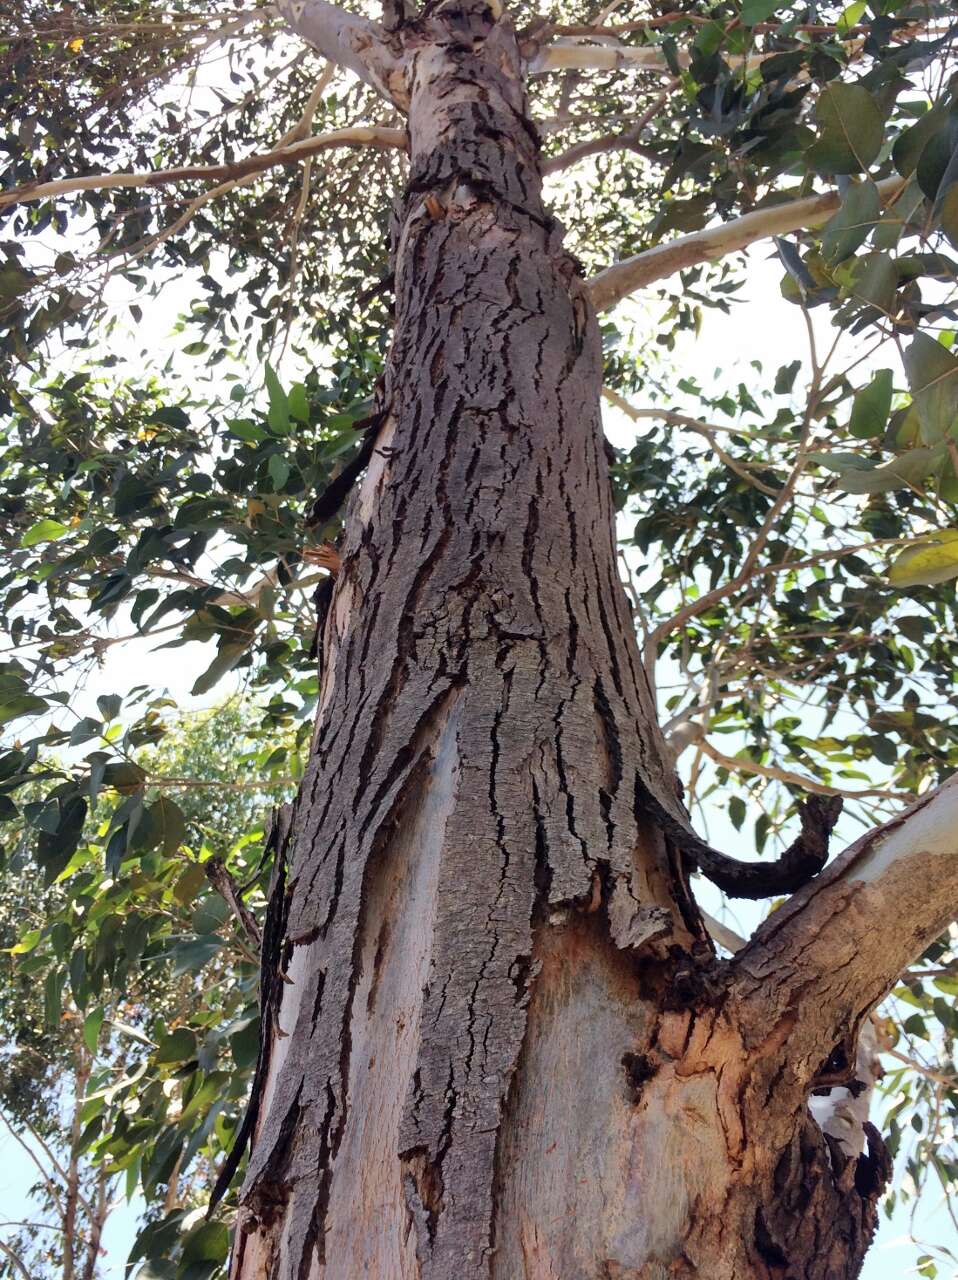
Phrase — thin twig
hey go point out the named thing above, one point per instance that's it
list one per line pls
(693, 424)
(742, 765)
(360, 136)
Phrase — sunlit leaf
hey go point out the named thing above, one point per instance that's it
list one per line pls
(931, 559)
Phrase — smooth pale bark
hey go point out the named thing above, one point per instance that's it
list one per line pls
(504, 1047)
(610, 286)
(569, 55)
(346, 39)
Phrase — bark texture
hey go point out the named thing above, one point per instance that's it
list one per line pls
(501, 1049)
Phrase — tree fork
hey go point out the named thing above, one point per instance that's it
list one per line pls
(503, 1046)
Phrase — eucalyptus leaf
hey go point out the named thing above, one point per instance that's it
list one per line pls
(929, 560)
(872, 406)
(933, 377)
(850, 130)
(44, 531)
(178, 1046)
(850, 226)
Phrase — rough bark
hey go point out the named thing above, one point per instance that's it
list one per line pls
(501, 1047)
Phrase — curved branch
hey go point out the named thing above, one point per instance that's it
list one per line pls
(566, 54)
(803, 859)
(362, 136)
(628, 141)
(15, 1260)
(613, 284)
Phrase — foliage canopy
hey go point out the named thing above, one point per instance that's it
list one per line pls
(792, 540)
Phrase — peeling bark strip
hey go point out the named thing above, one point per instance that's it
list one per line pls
(500, 1047)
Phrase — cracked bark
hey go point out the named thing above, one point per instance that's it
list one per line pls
(499, 1049)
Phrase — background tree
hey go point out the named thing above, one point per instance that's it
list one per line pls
(130, 1008)
(791, 546)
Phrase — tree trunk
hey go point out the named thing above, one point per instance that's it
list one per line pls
(504, 1046)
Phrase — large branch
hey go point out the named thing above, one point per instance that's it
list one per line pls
(566, 55)
(362, 136)
(613, 284)
(348, 40)
(602, 54)
(818, 964)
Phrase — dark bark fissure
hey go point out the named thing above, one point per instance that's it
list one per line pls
(482, 925)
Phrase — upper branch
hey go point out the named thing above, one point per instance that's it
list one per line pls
(613, 284)
(564, 55)
(348, 40)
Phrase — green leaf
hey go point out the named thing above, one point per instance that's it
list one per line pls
(851, 16)
(850, 226)
(169, 824)
(936, 160)
(933, 377)
(871, 407)
(14, 282)
(874, 279)
(189, 884)
(785, 377)
(859, 476)
(178, 1046)
(133, 1033)
(84, 730)
(208, 1242)
(25, 704)
(736, 811)
(53, 997)
(278, 416)
(211, 914)
(26, 943)
(226, 659)
(754, 11)
(54, 850)
(898, 214)
(909, 145)
(850, 130)
(91, 1028)
(930, 559)
(278, 469)
(243, 429)
(298, 404)
(44, 531)
(193, 954)
(947, 214)
(244, 1044)
(109, 705)
(124, 776)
